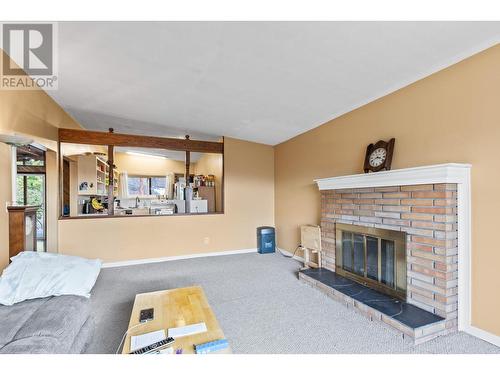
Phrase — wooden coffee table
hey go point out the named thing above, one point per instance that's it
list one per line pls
(176, 308)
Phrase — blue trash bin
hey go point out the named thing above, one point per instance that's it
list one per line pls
(266, 241)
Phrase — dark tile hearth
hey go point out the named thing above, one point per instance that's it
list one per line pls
(405, 313)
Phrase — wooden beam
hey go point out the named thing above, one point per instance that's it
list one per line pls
(60, 160)
(188, 162)
(129, 140)
(111, 179)
(30, 169)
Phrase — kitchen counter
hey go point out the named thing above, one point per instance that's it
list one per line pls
(106, 216)
(92, 215)
(123, 212)
(198, 206)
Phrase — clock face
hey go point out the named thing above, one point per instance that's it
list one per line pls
(377, 157)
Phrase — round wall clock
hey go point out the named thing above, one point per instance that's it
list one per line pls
(379, 156)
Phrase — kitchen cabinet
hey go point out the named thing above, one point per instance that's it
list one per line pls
(22, 229)
(208, 193)
(93, 175)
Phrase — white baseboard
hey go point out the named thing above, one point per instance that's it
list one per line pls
(134, 262)
(483, 335)
(296, 257)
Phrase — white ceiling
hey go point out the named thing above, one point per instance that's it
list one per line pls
(258, 81)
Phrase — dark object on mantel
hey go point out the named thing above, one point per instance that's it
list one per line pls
(405, 313)
(22, 229)
(379, 156)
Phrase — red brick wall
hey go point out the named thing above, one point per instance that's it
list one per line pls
(428, 214)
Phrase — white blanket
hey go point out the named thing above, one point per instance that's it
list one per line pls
(37, 275)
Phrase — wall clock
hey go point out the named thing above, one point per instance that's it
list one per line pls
(379, 156)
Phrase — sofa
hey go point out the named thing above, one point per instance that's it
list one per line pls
(52, 325)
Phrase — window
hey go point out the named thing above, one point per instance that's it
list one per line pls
(138, 186)
(31, 186)
(30, 156)
(158, 185)
(144, 185)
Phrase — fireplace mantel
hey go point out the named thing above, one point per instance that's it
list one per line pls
(452, 173)
(431, 174)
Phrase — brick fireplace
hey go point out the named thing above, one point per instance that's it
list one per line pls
(427, 213)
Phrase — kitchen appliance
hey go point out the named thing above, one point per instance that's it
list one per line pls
(188, 193)
(197, 206)
(168, 209)
(179, 189)
(86, 207)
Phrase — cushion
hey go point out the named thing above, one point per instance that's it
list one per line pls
(49, 325)
(84, 337)
(37, 275)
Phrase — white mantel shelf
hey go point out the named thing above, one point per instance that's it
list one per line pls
(430, 174)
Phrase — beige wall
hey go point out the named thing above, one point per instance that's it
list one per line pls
(52, 184)
(5, 194)
(249, 195)
(143, 165)
(34, 113)
(451, 116)
(212, 164)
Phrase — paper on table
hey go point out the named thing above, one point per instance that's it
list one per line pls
(191, 329)
(140, 341)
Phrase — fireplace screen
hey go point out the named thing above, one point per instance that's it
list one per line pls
(374, 257)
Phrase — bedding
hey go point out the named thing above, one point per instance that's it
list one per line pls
(38, 275)
(47, 325)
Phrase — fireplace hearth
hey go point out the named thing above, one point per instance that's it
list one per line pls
(414, 322)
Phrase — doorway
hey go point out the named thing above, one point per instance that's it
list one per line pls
(31, 187)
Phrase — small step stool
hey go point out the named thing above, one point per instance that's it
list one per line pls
(310, 239)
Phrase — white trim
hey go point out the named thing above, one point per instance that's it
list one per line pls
(432, 174)
(464, 253)
(39, 146)
(134, 262)
(483, 335)
(13, 173)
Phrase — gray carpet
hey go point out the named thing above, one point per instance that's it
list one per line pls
(261, 306)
